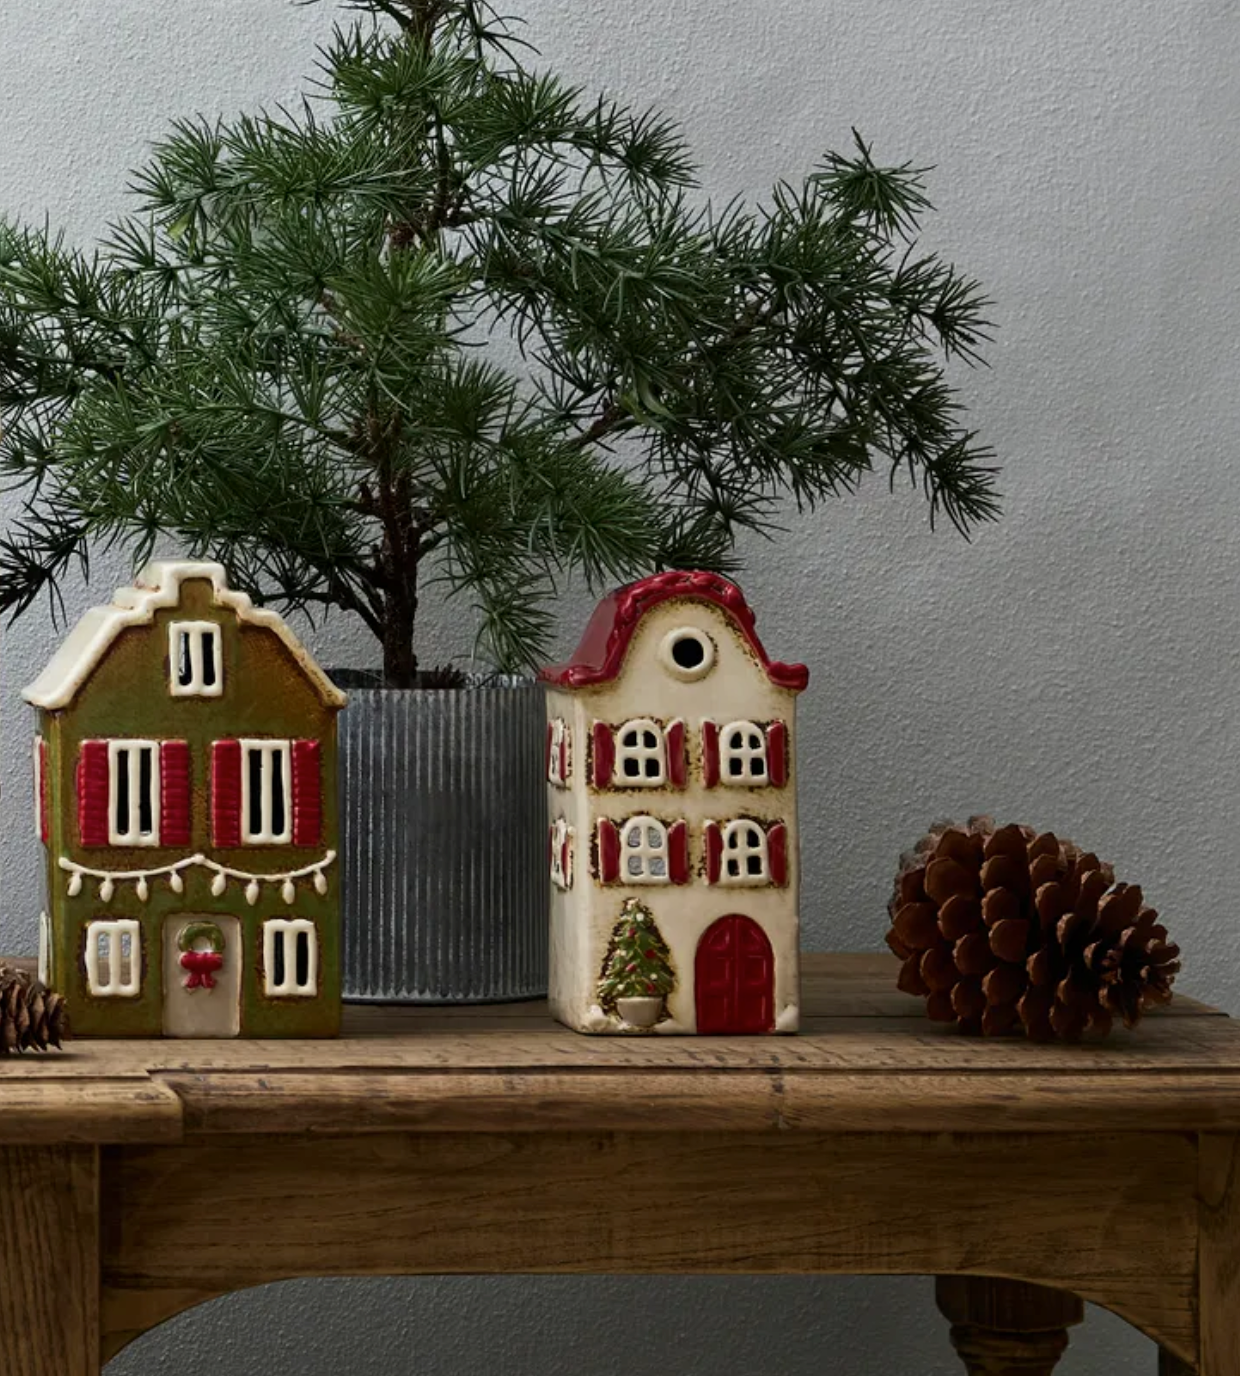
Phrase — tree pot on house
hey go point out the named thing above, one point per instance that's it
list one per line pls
(443, 837)
(640, 1011)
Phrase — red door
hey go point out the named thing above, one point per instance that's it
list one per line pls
(735, 978)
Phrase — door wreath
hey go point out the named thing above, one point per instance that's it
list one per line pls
(202, 966)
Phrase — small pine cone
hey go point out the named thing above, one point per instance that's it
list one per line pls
(1004, 927)
(31, 1015)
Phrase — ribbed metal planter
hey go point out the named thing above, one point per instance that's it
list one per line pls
(443, 822)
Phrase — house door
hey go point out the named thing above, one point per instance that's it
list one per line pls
(734, 977)
(202, 976)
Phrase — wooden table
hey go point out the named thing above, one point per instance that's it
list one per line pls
(140, 1178)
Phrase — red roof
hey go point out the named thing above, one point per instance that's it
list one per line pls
(600, 655)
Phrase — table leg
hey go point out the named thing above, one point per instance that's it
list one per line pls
(1218, 1253)
(49, 1261)
(1007, 1327)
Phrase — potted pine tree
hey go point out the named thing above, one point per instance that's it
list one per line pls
(637, 974)
(452, 322)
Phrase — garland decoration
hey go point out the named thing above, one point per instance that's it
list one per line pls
(140, 879)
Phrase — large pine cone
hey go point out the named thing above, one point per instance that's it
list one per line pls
(1000, 928)
(31, 1014)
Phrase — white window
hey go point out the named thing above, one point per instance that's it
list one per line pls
(197, 670)
(643, 852)
(290, 958)
(114, 958)
(559, 756)
(745, 858)
(641, 755)
(561, 854)
(742, 753)
(266, 793)
(133, 793)
(46, 973)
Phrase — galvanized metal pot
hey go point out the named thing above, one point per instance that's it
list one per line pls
(443, 835)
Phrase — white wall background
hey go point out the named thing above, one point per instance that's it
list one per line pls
(1074, 667)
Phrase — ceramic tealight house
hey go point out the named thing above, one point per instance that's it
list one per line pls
(185, 770)
(671, 769)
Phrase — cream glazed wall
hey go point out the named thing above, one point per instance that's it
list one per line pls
(737, 687)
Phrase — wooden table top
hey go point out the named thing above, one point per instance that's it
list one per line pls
(867, 1060)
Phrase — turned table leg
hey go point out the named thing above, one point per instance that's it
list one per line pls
(1007, 1327)
(49, 1261)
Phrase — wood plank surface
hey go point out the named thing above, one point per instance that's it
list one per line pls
(49, 1261)
(1112, 1218)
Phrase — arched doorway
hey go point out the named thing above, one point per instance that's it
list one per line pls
(734, 977)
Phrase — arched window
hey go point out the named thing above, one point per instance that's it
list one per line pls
(745, 858)
(644, 852)
(742, 753)
(641, 753)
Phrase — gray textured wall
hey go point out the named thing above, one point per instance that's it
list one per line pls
(1073, 667)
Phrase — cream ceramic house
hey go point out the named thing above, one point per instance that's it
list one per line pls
(671, 774)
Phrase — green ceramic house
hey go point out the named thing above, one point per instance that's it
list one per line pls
(185, 785)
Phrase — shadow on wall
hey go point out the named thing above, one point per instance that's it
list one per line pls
(588, 1326)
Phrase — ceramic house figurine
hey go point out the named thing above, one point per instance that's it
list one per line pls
(185, 771)
(671, 771)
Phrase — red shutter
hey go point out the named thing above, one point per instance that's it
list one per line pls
(307, 793)
(92, 786)
(566, 860)
(677, 765)
(174, 793)
(41, 787)
(714, 851)
(547, 752)
(678, 853)
(604, 755)
(777, 854)
(710, 754)
(564, 754)
(777, 753)
(226, 793)
(608, 852)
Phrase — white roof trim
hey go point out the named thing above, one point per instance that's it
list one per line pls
(158, 586)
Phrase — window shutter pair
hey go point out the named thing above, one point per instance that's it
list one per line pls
(93, 792)
(776, 754)
(603, 755)
(609, 852)
(307, 791)
(776, 853)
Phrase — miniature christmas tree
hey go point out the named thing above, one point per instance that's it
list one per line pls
(638, 962)
(283, 360)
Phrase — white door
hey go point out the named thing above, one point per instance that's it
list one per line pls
(202, 976)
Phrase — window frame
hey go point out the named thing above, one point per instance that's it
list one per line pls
(645, 851)
(746, 753)
(559, 752)
(561, 847)
(134, 745)
(733, 851)
(196, 631)
(641, 753)
(285, 928)
(115, 929)
(268, 747)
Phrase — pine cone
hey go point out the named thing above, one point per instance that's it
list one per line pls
(1004, 927)
(31, 1015)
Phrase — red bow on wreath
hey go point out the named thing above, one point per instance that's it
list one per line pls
(202, 966)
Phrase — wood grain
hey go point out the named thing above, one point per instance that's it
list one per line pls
(1057, 1211)
(49, 1242)
(1219, 1255)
